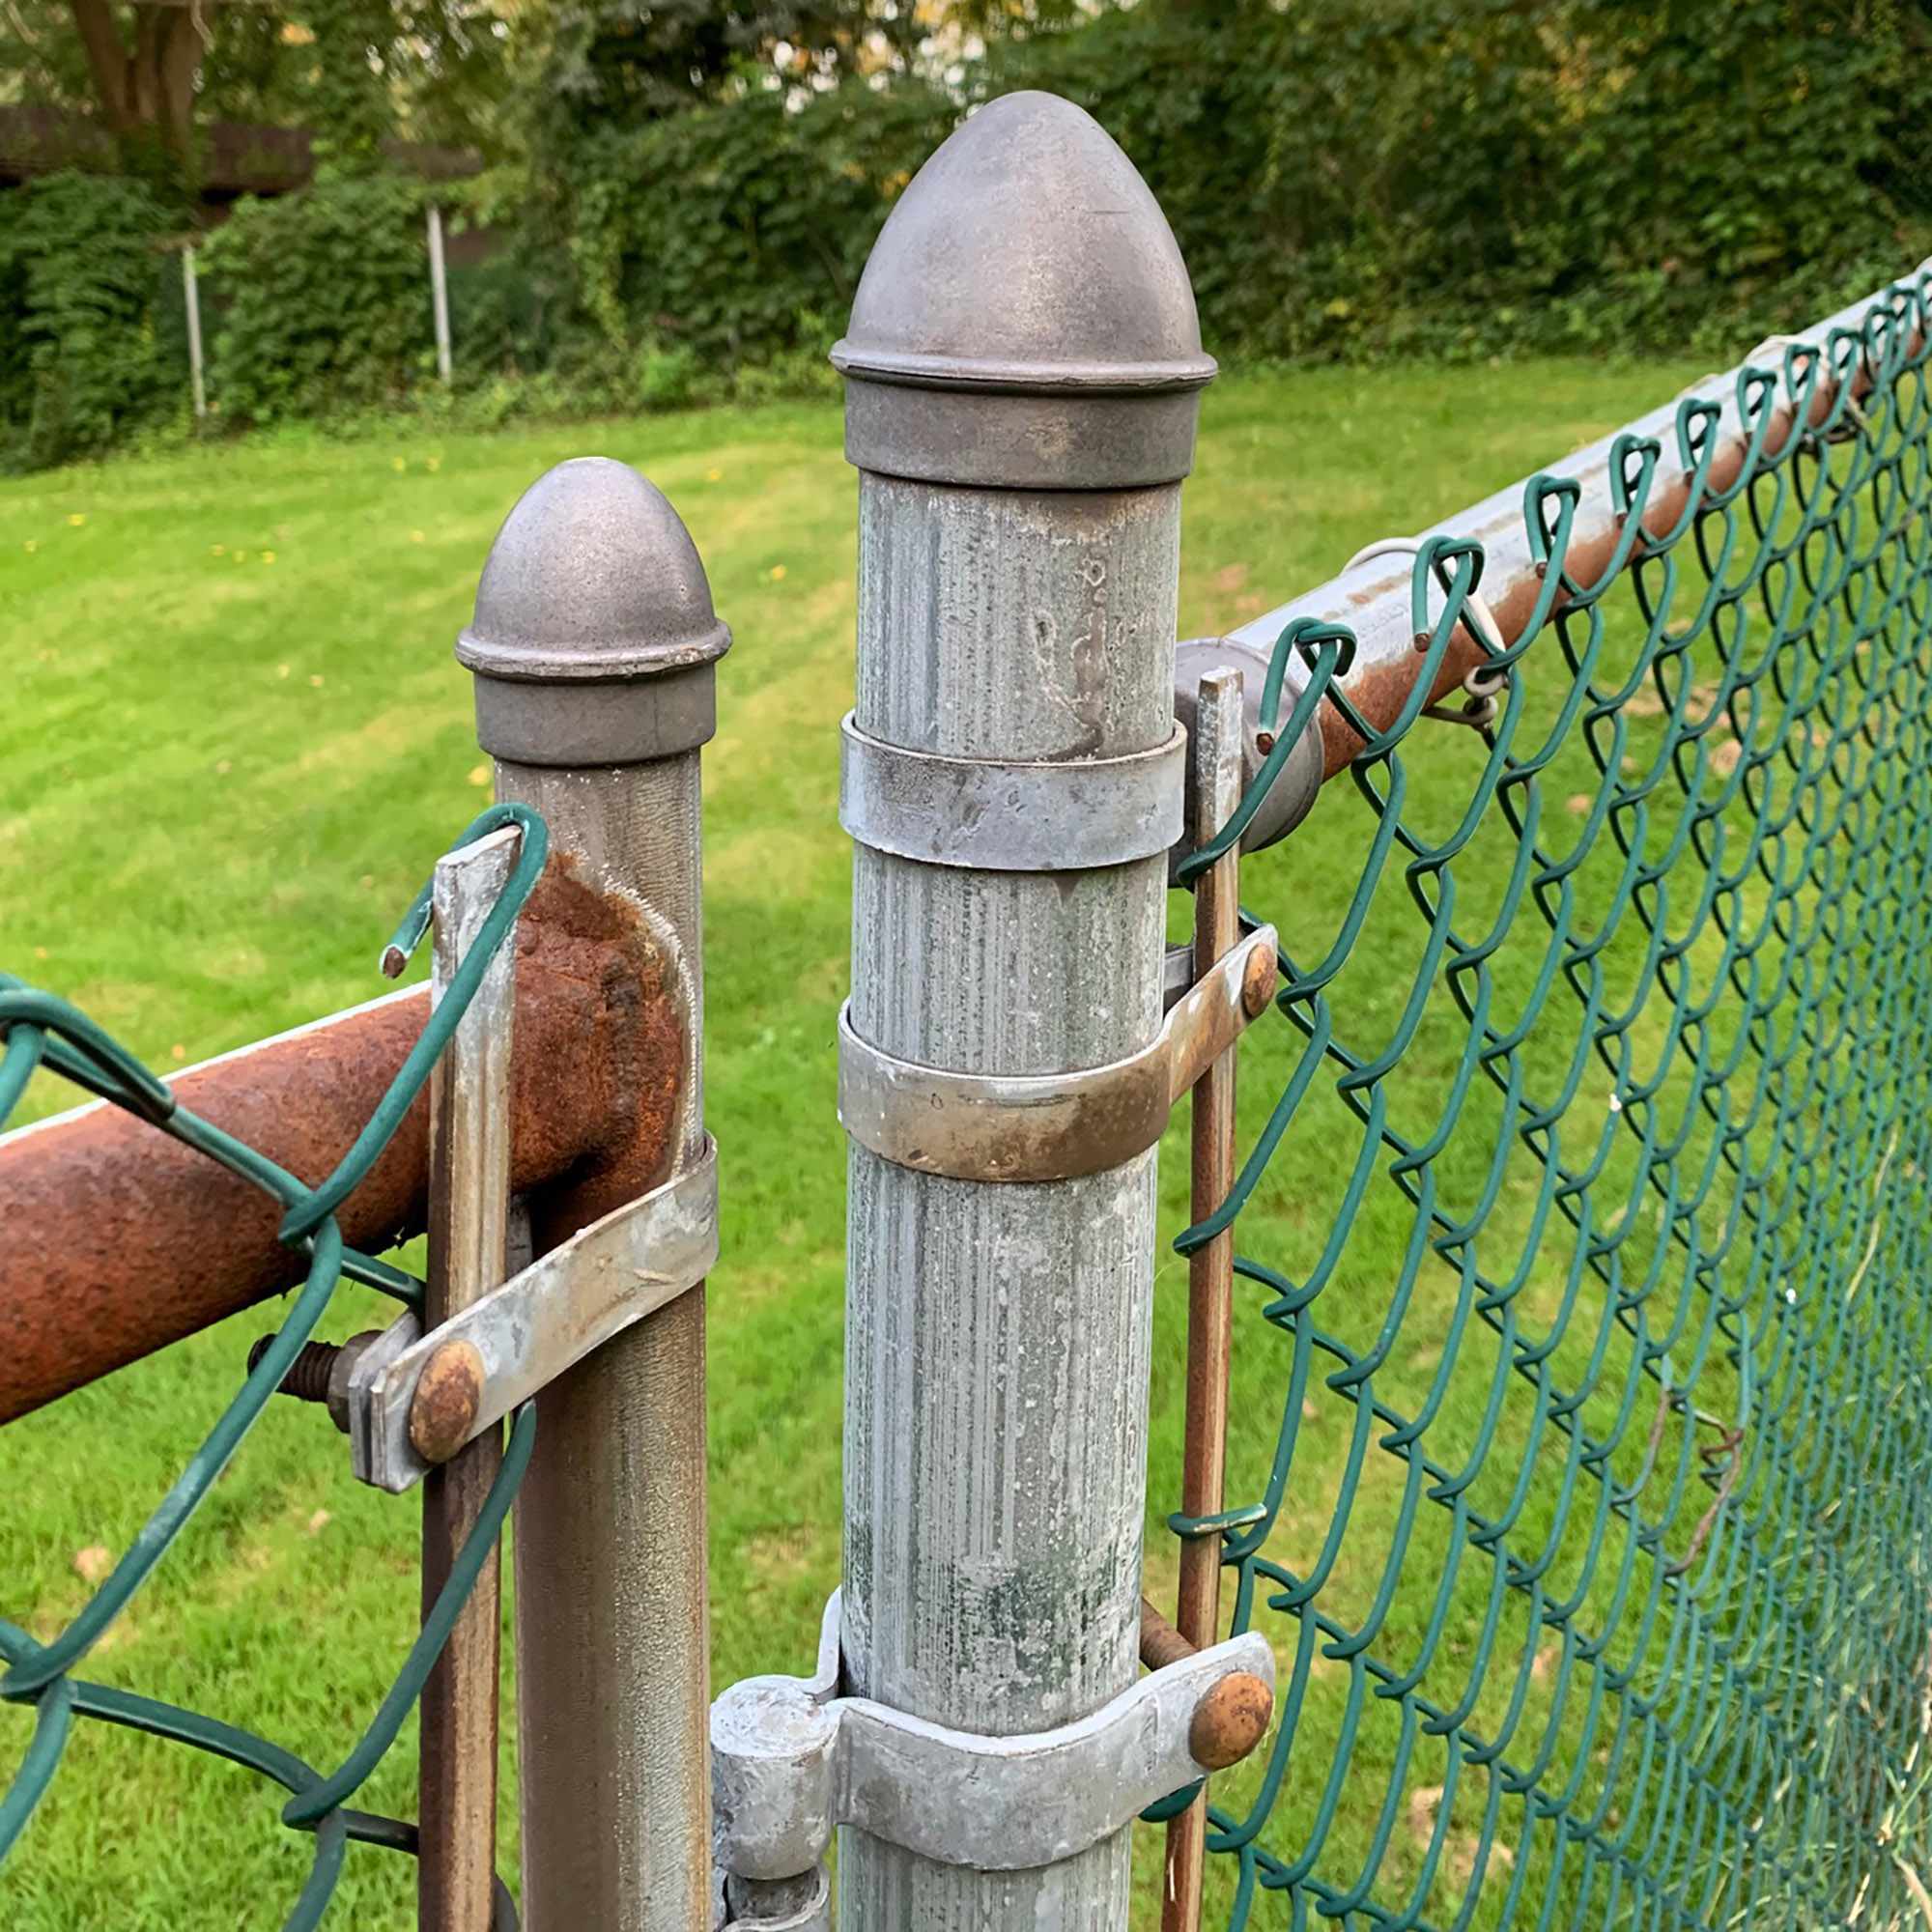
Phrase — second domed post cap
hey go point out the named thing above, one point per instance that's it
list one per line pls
(594, 639)
(1026, 320)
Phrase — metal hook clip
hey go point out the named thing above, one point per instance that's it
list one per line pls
(1483, 684)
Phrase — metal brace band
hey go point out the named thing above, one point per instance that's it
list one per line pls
(1048, 815)
(1050, 1126)
(791, 1761)
(542, 1320)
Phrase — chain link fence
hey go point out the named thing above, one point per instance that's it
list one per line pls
(40, 1030)
(1580, 1444)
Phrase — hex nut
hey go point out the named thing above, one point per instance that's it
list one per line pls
(448, 1398)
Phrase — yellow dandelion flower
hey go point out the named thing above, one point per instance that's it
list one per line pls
(398, 464)
(777, 573)
(76, 520)
(714, 475)
(480, 776)
(281, 671)
(268, 556)
(315, 679)
(416, 536)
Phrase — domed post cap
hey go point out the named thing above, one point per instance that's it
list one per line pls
(593, 640)
(1026, 320)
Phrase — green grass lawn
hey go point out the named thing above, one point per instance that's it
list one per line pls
(233, 739)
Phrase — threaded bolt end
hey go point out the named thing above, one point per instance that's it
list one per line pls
(307, 1379)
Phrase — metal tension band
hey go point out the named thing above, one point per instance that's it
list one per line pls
(539, 1322)
(1041, 816)
(791, 1761)
(1050, 1126)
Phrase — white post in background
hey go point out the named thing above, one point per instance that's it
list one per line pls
(192, 298)
(438, 287)
(1023, 368)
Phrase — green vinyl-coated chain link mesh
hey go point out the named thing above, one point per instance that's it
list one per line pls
(1580, 1449)
(40, 1030)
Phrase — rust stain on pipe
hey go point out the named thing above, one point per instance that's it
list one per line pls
(116, 1240)
(1379, 691)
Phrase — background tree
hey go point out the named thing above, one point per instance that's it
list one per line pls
(143, 60)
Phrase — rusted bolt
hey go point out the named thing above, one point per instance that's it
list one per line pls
(1263, 742)
(448, 1398)
(1257, 979)
(319, 1372)
(1231, 1719)
(307, 1379)
(1230, 1722)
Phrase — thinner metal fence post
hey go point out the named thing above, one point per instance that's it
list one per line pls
(438, 289)
(594, 645)
(191, 301)
(1216, 753)
(1023, 366)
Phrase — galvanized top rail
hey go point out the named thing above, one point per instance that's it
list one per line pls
(1720, 428)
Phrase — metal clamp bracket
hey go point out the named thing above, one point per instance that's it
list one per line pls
(1050, 1126)
(791, 1760)
(1045, 815)
(411, 1392)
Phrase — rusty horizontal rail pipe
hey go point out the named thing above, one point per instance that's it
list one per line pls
(1372, 599)
(120, 1240)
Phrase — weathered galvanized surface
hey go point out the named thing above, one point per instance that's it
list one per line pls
(1026, 320)
(791, 1761)
(1013, 815)
(469, 1216)
(94, 1275)
(1052, 1127)
(544, 1321)
(1372, 599)
(998, 1336)
(594, 642)
(609, 1546)
(1292, 795)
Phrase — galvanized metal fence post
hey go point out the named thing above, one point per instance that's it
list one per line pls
(594, 645)
(1023, 371)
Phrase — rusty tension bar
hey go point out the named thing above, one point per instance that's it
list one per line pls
(410, 1400)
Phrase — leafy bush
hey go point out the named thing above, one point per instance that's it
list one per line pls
(1348, 179)
(1357, 176)
(324, 298)
(89, 318)
(737, 232)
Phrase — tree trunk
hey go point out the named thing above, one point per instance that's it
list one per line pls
(147, 96)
